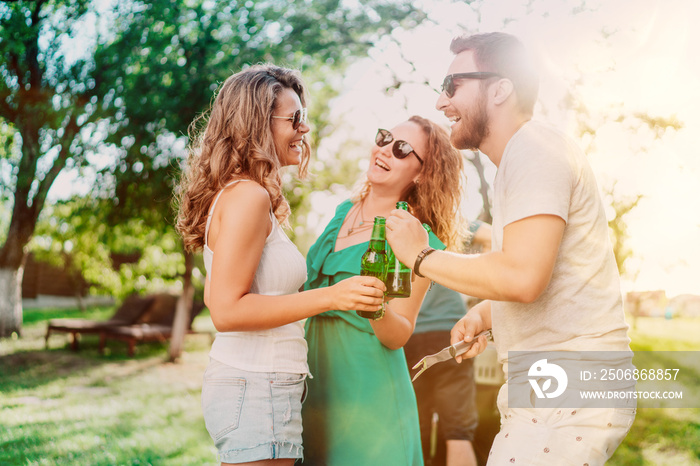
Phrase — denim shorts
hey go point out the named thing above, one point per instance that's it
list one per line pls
(253, 416)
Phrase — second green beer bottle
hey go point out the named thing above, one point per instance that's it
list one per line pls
(398, 277)
(374, 261)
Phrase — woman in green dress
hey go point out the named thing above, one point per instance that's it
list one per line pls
(361, 408)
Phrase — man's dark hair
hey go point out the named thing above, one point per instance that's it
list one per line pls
(504, 54)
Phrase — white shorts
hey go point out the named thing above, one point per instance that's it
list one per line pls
(558, 436)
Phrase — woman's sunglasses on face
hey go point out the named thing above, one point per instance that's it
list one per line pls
(401, 149)
(448, 85)
(297, 119)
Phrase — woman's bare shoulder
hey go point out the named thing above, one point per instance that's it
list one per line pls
(247, 195)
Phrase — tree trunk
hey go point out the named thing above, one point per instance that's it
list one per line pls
(483, 188)
(13, 256)
(182, 310)
(10, 301)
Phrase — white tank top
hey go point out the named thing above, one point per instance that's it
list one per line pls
(281, 271)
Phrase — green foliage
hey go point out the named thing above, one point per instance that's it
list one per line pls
(45, 103)
(621, 206)
(659, 125)
(9, 156)
(159, 267)
(325, 176)
(68, 237)
(166, 59)
(130, 98)
(41, 93)
(643, 129)
(5, 212)
(75, 236)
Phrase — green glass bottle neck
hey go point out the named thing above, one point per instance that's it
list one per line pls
(378, 231)
(377, 245)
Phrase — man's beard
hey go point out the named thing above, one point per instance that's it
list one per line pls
(473, 128)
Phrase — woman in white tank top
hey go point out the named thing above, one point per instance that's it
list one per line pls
(231, 205)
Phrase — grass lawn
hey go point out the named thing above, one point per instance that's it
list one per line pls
(65, 408)
(664, 436)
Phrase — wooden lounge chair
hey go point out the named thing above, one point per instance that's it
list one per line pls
(128, 313)
(156, 324)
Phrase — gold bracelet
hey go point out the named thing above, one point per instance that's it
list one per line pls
(422, 255)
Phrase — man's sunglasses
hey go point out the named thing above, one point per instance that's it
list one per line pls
(401, 149)
(297, 119)
(448, 85)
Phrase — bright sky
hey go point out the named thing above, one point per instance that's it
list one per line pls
(629, 56)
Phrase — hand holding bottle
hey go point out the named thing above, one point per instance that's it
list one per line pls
(406, 236)
(361, 293)
(375, 262)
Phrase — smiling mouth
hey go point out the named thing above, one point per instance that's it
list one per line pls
(382, 165)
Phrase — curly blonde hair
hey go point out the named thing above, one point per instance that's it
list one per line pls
(233, 141)
(435, 198)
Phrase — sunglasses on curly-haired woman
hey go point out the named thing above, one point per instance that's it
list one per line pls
(401, 148)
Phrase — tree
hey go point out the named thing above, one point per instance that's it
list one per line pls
(146, 80)
(642, 129)
(167, 58)
(74, 235)
(45, 103)
(621, 206)
(485, 215)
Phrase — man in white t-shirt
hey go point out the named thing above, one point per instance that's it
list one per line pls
(550, 282)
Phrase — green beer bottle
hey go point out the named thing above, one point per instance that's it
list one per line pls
(398, 277)
(374, 261)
